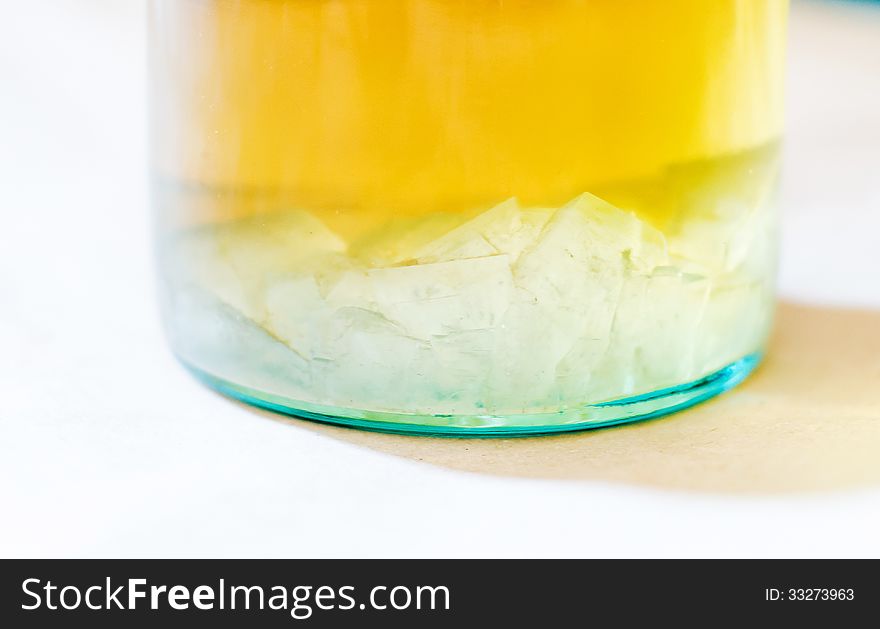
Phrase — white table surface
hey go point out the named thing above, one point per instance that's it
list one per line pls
(108, 448)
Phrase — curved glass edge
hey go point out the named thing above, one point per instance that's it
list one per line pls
(616, 412)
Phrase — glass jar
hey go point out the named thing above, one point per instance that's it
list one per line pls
(467, 217)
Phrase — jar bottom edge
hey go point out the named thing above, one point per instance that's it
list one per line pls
(586, 417)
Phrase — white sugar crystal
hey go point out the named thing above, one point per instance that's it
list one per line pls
(295, 312)
(583, 252)
(531, 224)
(236, 260)
(435, 299)
(661, 334)
(218, 339)
(457, 368)
(736, 232)
(514, 310)
(717, 241)
(531, 340)
(287, 242)
(367, 357)
(736, 321)
(473, 239)
(399, 240)
(575, 275)
(351, 287)
(504, 229)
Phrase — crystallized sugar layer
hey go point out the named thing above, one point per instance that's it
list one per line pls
(517, 310)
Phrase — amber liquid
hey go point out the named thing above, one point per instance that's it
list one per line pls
(364, 109)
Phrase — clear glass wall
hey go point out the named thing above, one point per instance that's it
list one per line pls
(467, 214)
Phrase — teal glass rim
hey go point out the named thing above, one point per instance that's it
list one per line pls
(621, 411)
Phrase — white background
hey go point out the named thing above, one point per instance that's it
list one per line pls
(108, 448)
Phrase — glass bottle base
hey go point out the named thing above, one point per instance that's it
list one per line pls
(615, 412)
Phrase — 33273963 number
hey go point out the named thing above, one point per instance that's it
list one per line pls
(820, 594)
